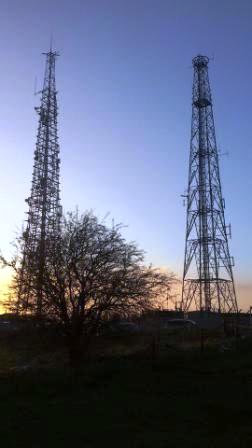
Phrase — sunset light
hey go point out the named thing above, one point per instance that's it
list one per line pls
(5, 281)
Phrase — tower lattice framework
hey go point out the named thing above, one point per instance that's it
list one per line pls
(44, 215)
(208, 282)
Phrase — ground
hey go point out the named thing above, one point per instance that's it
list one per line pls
(141, 399)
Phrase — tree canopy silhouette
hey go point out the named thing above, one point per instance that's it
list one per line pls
(92, 274)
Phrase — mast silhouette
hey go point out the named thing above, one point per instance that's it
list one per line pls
(208, 282)
(44, 215)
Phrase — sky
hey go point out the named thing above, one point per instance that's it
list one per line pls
(124, 80)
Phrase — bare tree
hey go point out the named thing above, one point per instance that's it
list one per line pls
(93, 273)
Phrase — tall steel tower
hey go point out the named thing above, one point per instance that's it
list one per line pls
(208, 282)
(44, 215)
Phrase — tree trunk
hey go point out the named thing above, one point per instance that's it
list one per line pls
(75, 350)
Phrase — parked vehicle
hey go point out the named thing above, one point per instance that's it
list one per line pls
(178, 324)
(119, 327)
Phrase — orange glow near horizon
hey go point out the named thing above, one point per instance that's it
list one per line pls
(5, 280)
(244, 291)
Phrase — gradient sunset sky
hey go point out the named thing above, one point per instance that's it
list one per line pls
(125, 79)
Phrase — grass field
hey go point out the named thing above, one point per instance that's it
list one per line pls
(180, 399)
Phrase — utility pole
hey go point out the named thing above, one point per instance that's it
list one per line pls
(208, 282)
(44, 214)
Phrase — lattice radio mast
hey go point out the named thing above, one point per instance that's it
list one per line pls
(44, 215)
(208, 282)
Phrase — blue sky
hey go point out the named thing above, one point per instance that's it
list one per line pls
(125, 79)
